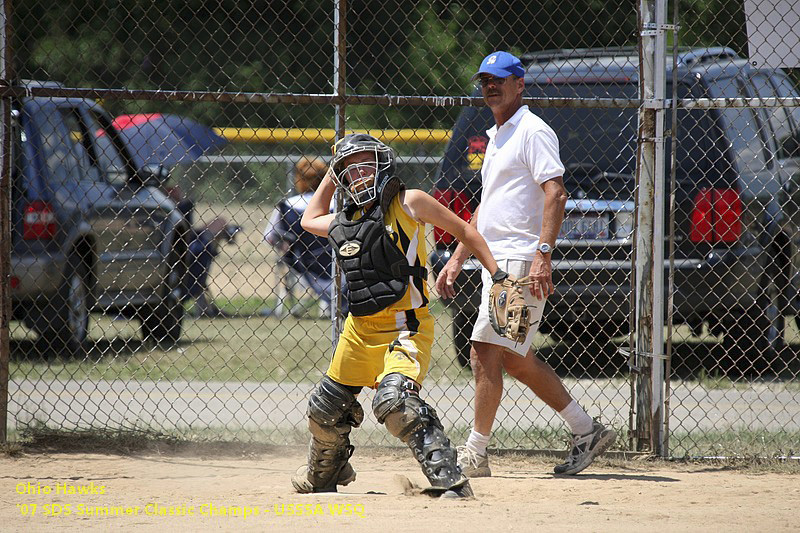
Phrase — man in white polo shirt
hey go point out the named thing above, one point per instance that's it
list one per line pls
(520, 215)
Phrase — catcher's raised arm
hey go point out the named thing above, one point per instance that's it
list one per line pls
(425, 208)
(447, 276)
(317, 217)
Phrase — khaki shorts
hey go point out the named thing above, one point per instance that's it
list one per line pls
(483, 331)
(369, 348)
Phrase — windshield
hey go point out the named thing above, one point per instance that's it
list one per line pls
(597, 145)
(604, 138)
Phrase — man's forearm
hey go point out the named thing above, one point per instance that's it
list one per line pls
(553, 215)
(551, 223)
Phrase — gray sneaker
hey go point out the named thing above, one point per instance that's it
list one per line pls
(472, 463)
(585, 448)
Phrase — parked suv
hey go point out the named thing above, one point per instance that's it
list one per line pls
(737, 200)
(90, 233)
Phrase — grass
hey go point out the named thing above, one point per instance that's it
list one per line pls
(249, 347)
(236, 349)
(715, 380)
(246, 347)
(741, 443)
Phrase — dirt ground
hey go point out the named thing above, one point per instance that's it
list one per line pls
(45, 492)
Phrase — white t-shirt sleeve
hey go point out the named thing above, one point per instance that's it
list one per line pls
(541, 155)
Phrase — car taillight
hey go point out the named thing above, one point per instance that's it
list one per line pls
(458, 203)
(39, 221)
(716, 216)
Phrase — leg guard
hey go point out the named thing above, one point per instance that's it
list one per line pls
(333, 411)
(398, 405)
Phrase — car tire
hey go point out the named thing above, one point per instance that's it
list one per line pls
(64, 322)
(754, 341)
(462, 331)
(163, 323)
(588, 347)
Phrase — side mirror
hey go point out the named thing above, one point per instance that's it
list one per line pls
(152, 175)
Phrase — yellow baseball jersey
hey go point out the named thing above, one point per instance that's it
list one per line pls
(411, 242)
(398, 338)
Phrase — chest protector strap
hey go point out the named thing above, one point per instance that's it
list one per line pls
(375, 268)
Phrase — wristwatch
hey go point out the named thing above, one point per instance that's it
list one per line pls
(545, 248)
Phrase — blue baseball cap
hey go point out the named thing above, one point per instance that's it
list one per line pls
(501, 65)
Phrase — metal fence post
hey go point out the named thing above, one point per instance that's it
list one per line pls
(5, 218)
(340, 89)
(673, 134)
(659, 195)
(649, 360)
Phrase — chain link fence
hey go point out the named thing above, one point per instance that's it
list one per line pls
(157, 167)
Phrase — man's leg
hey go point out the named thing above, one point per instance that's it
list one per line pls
(589, 438)
(487, 367)
(202, 251)
(544, 382)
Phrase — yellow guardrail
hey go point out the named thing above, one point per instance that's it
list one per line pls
(328, 135)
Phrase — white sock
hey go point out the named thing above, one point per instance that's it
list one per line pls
(578, 420)
(477, 442)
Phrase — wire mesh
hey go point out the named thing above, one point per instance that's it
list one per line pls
(161, 282)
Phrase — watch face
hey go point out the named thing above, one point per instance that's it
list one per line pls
(545, 248)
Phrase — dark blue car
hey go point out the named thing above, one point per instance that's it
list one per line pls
(90, 233)
(737, 201)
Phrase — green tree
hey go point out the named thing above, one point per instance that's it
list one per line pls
(396, 47)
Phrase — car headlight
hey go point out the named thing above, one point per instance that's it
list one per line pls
(623, 223)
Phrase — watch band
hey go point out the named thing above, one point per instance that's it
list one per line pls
(499, 275)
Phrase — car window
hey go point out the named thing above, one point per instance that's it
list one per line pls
(697, 153)
(778, 117)
(741, 127)
(63, 156)
(18, 185)
(785, 89)
(82, 144)
(108, 157)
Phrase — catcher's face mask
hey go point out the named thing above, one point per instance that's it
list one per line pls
(359, 163)
(359, 177)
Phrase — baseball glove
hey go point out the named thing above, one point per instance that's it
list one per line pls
(508, 312)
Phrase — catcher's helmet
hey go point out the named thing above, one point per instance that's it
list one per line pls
(361, 181)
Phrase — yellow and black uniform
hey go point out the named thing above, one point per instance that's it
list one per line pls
(397, 339)
(387, 338)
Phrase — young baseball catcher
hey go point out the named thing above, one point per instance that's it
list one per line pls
(379, 241)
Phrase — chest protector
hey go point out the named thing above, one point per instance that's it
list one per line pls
(374, 266)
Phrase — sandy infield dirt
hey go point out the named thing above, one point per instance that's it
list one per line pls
(523, 495)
